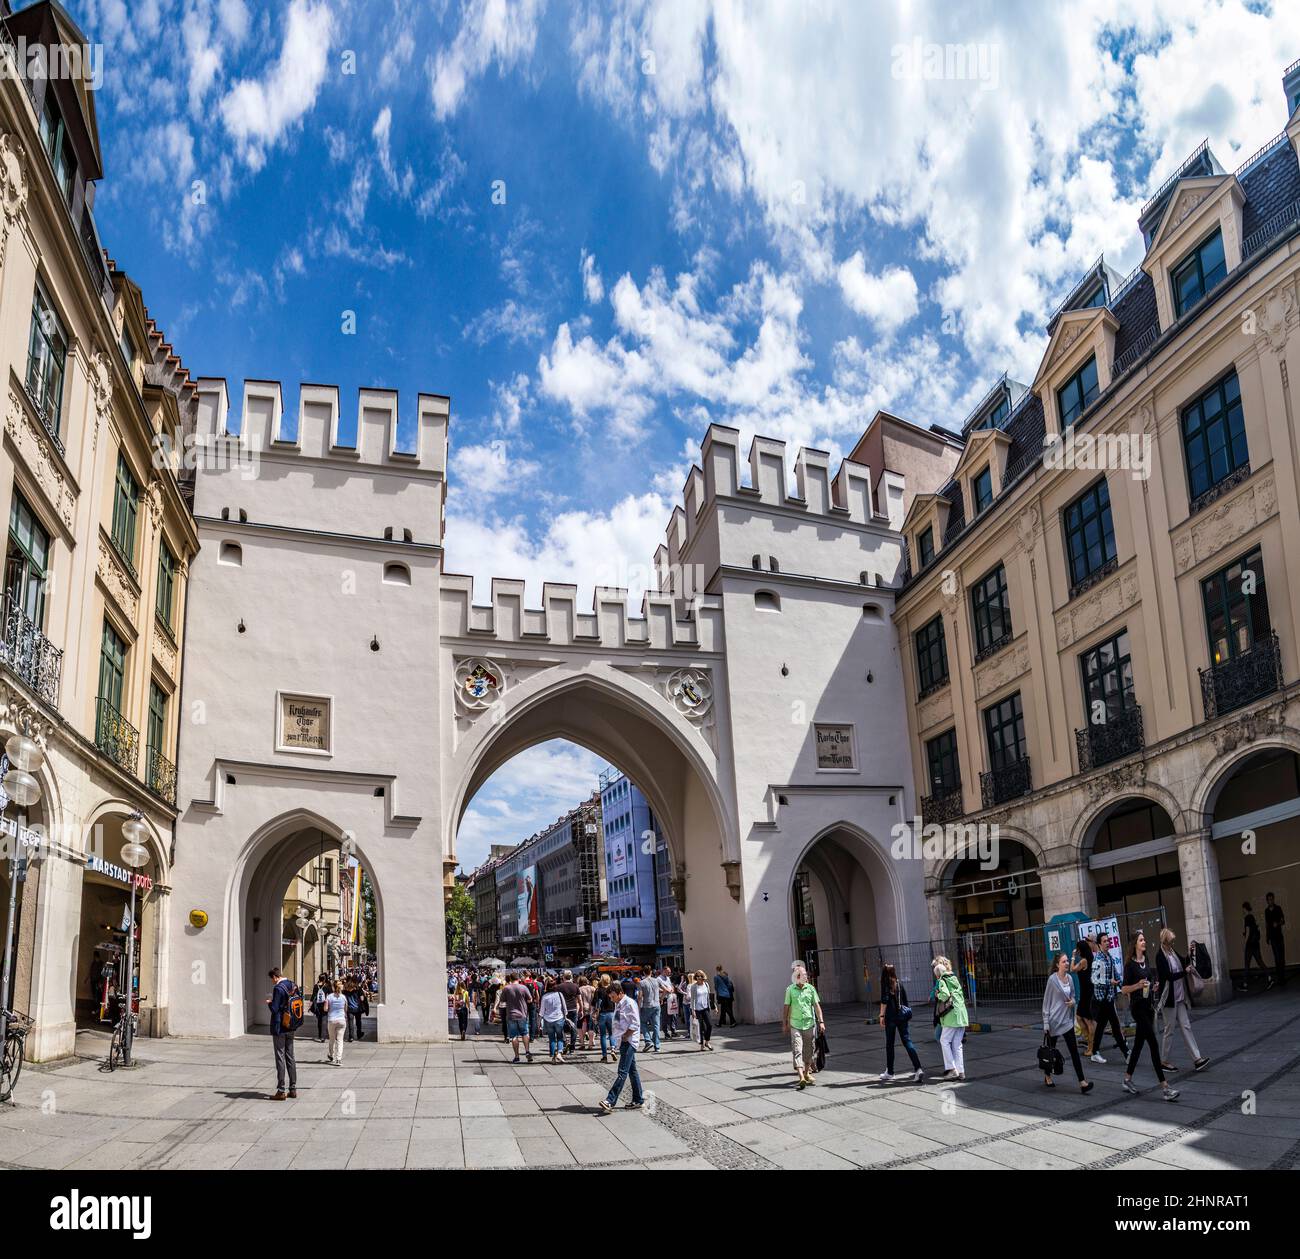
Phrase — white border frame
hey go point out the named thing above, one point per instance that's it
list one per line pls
(280, 746)
(853, 741)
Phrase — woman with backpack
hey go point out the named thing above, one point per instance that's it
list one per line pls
(1176, 1000)
(1142, 983)
(1059, 1008)
(319, 999)
(895, 1015)
(950, 1006)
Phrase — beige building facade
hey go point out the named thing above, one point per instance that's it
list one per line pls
(1098, 619)
(99, 539)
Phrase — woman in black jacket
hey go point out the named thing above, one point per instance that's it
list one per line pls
(895, 1014)
(1175, 1000)
(1142, 985)
(319, 995)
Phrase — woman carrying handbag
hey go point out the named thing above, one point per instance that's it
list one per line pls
(1058, 1020)
(895, 1015)
(1179, 983)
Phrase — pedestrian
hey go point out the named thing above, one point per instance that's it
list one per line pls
(606, 1002)
(627, 1034)
(648, 998)
(319, 995)
(1059, 1012)
(553, 1012)
(1250, 933)
(1140, 980)
(568, 989)
(516, 999)
(352, 996)
(336, 1016)
(460, 1001)
(801, 1020)
(667, 998)
(1274, 923)
(1175, 1001)
(950, 1006)
(283, 994)
(700, 998)
(1081, 968)
(895, 1016)
(1105, 989)
(586, 1012)
(683, 986)
(725, 991)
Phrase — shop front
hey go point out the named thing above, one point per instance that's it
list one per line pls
(115, 944)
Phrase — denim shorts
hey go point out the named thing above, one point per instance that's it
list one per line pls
(517, 1028)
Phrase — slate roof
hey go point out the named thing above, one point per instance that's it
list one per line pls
(1270, 182)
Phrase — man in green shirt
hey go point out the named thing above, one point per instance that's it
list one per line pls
(801, 1020)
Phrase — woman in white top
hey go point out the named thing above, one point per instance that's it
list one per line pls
(700, 997)
(553, 1019)
(336, 1014)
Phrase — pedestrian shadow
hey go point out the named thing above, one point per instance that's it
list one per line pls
(244, 1095)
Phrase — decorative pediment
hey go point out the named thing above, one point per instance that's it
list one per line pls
(926, 510)
(980, 448)
(1077, 335)
(1189, 195)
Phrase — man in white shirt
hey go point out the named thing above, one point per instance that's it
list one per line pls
(627, 1035)
(666, 990)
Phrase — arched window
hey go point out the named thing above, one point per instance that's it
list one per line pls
(757, 561)
(231, 553)
(772, 564)
(396, 574)
(767, 601)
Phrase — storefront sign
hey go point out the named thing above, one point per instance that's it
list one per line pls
(834, 747)
(305, 723)
(99, 866)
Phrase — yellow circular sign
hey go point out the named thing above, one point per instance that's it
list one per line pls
(198, 917)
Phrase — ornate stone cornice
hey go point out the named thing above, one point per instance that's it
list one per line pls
(1213, 529)
(117, 581)
(37, 454)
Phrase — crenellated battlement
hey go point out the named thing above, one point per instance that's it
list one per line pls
(561, 621)
(262, 425)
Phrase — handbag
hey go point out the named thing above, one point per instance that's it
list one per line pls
(1192, 977)
(943, 1007)
(1050, 1061)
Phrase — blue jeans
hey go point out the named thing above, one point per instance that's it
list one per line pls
(650, 1026)
(555, 1036)
(626, 1068)
(606, 1024)
(892, 1028)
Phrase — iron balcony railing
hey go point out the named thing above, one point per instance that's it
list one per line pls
(997, 786)
(28, 653)
(1106, 741)
(1241, 679)
(43, 402)
(944, 806)
(160, 775)
(116, 737)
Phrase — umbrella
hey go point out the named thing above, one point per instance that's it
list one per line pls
(524, 961)
(491, 963)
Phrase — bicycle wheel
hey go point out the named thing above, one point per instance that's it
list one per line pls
(115, 1049)
(11, 1066)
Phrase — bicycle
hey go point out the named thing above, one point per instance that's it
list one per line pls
(116, 1044)
(11, 1064)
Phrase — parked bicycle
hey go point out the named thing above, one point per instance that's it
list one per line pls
(11, 1066)
(124, 1031)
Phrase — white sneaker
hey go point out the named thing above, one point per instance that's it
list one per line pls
(918, 1076)
(1098, 1058)
(884, 1077)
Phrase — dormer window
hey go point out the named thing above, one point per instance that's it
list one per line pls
(925, 546)
(1077, 394)
(1198, 273)
(54, 137)
(1098, 297)
(981, 488)
(995, 417)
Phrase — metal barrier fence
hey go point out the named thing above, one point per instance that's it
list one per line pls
(1007, 969)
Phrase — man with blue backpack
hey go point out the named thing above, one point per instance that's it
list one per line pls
(286, 1018)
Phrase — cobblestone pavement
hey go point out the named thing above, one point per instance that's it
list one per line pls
(202, 1104)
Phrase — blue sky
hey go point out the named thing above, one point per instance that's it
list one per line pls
(601, 225)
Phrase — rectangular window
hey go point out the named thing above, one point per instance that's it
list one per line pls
(991, 610)
(126, 509)
(166, 584)
(995, 417)
(1097, 298)
(1077, 394)
(1107, 680)
(54, 136)
(925, 546)
(47, 352)
(942, 764)
(112, 667)
(1236, 608)
(982, 489)
(1004, 725)
(931, 655)
(1198, 273)
(1214, 437)
(157, 718)
(26, 563)
(1089, 532)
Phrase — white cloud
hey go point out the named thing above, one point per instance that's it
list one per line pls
(257, 112)
(887, 299)
(510, 320)
(593, 287)
(492, 32)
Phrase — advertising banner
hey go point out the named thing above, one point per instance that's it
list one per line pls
(526, 901)
(618, 859)
(1106, 931)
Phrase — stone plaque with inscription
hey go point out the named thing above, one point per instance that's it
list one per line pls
(304, 723)
(834, 747)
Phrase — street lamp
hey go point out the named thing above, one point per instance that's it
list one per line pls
(22, 787)
(134, 854)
